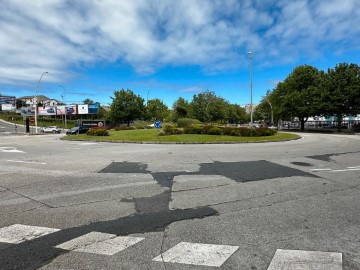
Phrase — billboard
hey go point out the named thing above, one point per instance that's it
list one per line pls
(47, 110)
(7, 107)
(7, 100)
(27, 111)
(66, 109)
(83, 109)
(93, 108)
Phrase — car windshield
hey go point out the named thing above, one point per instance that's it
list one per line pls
(74, 128)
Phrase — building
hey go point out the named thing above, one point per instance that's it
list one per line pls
(247, 108)
(30, 100)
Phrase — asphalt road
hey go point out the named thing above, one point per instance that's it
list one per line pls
(170, 206)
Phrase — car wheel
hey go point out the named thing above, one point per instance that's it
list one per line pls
(54, 131)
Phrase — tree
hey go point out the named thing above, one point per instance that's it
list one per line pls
(126, 107)
(235, 114)
(296, 95)
(207, 107)
(181, 109)
(157, 110)
(341, 91)
(88, 101)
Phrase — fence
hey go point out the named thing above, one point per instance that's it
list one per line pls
(346, 125)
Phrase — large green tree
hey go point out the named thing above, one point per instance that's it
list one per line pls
(235, 114)
(126, 107)
(207, 107)
(296, 95)
(181, 109)
(157, 110)
(340, 91)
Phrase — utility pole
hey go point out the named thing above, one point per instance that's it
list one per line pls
(35, 100)
(251, 103)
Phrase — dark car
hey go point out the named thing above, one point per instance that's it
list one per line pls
(77, 130)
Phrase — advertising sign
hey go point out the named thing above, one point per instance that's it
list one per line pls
(7, 107)
(93, 108)
(7, 100)
(83, 109)
(62, 110)
(27, 111)
(47, 110)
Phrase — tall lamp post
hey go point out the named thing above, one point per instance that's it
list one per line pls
(64, 101)
(251, 103)
(272, 112)
(35, 99)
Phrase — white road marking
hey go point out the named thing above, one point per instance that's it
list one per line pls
(27, 162)
(301, 259)
(320, 170)
(18, 233)
(85, 143)
(353, 167)
(10, 150)
(346, 170)
(197, 254)
(100, 243)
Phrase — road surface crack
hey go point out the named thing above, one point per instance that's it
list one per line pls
(29, 198)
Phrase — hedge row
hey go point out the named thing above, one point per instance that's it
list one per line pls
(97, 132)
(216, 130)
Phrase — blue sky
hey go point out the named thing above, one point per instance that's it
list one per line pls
(168, 49)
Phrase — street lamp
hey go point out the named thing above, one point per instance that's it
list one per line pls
(251, 104)
(35, 100)
(64, 101)
(272, 112)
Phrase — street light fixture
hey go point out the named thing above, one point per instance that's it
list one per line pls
(251, 103)
(64, 101)
(272, 112)
(35, 100)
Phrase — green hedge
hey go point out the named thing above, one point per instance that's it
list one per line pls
(185, 122)
(171, 130)
(97, 132)
(229, 131)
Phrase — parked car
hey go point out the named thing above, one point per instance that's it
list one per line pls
(51, 129)
(77, 130)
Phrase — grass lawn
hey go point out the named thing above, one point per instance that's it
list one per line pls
(151, 135)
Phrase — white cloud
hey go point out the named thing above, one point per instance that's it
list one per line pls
(63, 36)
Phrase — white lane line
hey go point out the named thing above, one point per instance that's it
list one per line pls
(353, 167)
(197, 254)
(320, 170)
(27, 162)
(10, 150)
(346, 170)
(301, 259)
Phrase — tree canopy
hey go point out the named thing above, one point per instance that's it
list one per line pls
(126, 107)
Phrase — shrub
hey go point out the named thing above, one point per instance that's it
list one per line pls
(247, 132)
(229, 131)
(171, 130)
(193, 129)
(263, 131)
(118, 128)
(185, 122)
(161, 133)
(97, 132)
(206, 128)
(215, 131)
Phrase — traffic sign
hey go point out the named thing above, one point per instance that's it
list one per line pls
(157, 124)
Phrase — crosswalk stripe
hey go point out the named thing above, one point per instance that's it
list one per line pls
(100, 243)
(301, 259)
(18, 233)
(197, 254)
